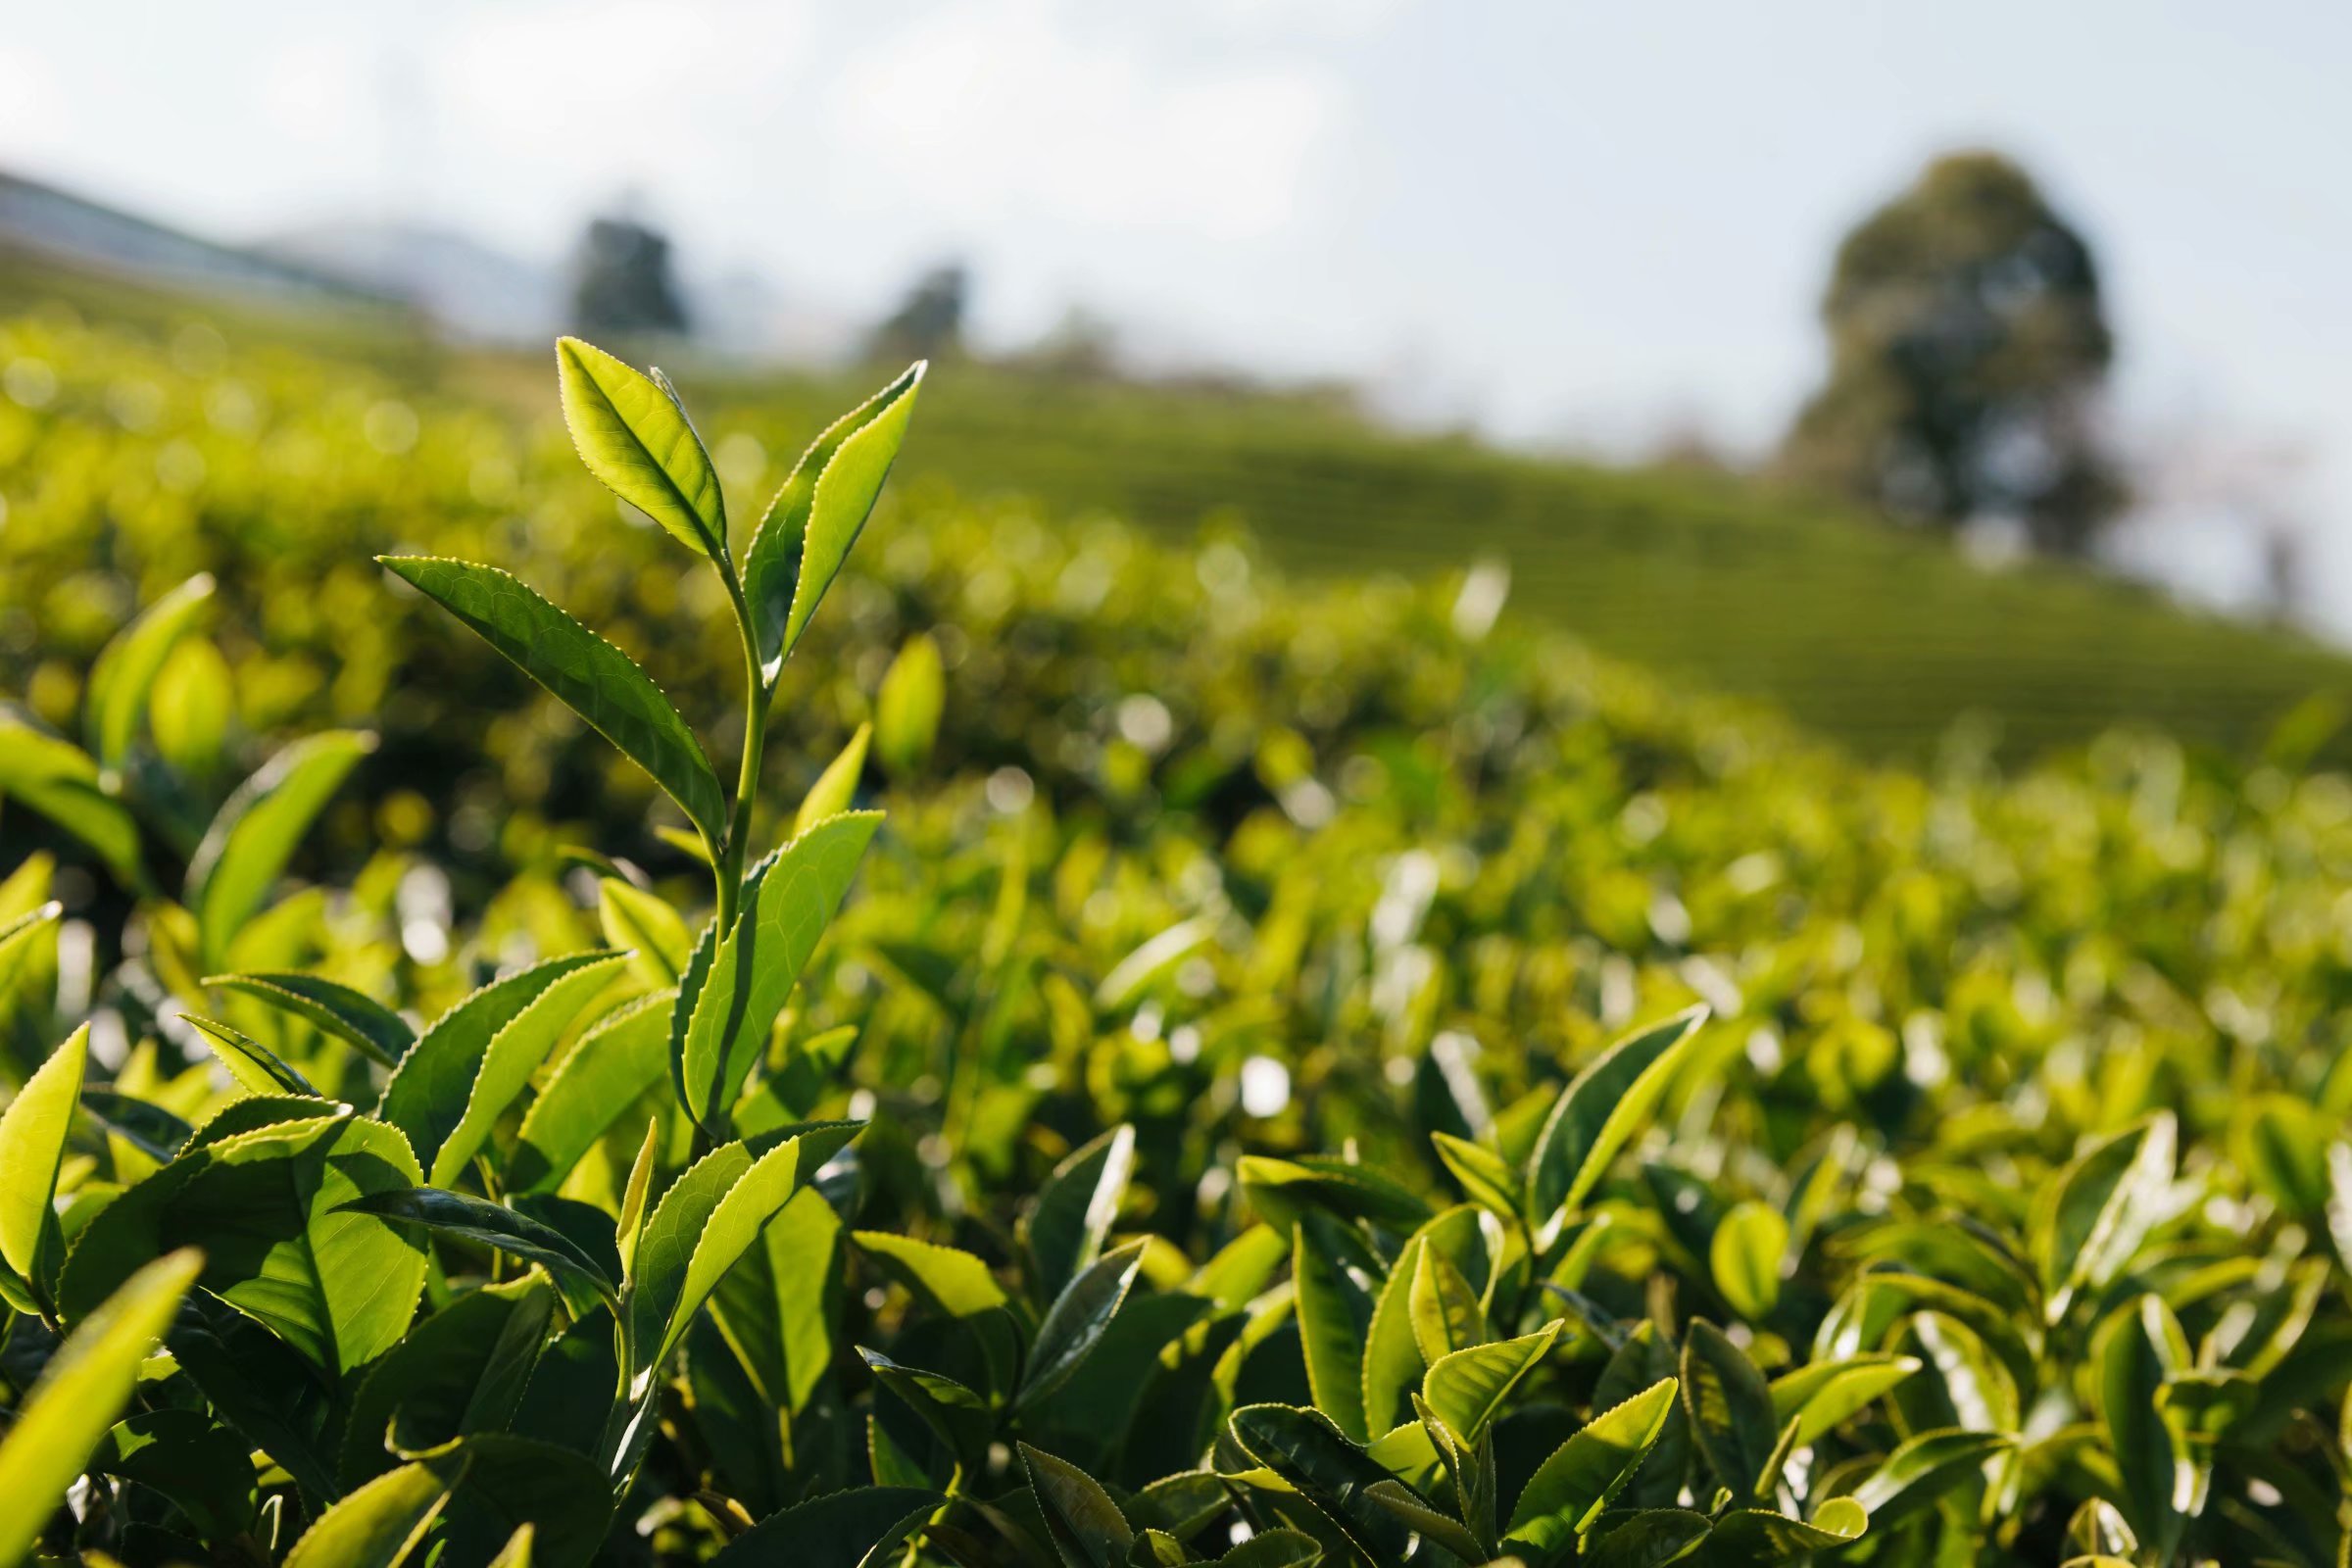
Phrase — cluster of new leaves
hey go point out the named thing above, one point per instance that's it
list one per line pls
(382, 1285)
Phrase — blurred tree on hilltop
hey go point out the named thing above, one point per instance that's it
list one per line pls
(1082, 346)
(623, 283)
(928, 324)
(1967, 344)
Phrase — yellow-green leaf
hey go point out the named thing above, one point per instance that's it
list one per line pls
(127, 668)
(78, 1396)
(788, 899)
(32, 1144)
(816, 517)
(1745, 1258)
(256, 832)
(633, 435)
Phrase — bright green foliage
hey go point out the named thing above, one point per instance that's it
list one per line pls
(1252, 1079)
(62, 782)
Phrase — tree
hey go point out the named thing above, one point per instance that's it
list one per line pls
(1967, 347)
(928, 324)
(622, 284)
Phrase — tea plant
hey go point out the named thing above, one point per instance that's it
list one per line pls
(1218, 1156)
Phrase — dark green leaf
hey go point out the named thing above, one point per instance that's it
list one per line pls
(204, 1469)
(356, 1019)
(1077, 1319)
(1924, 1467)
(1729, 1407)
(153, 1131)
(1569, 1490)
(1075, 1208)
(494, 1225)
(459, 1372)
(1650, 1538)
(1087, 1526)
(257, 1068)
(269, 1210)
(593, 678)
(1306, 1450)
(1335, 1318)
(846, 1530)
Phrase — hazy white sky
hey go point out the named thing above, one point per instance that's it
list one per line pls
(1586, 222)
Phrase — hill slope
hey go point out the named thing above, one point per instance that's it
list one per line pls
(1878, 639)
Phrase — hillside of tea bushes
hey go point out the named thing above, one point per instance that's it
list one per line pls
(1712, 578)
(1297, 1073)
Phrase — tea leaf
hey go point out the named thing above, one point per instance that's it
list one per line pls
(611, 1065)
(1467, 1388)
(69, 1409)
(855, 1529)
(471, 1063)
(1746, 1259)
(633, 436)
(254, 833)
(1598, 1111)
(271, 1210)
(350, 1017)
(127, 665)
(253, 1066)
(836, 788)
(494, 1225)
(459, 1372)
(907, 707)
(810, 526)
(1076, 1321)
(1087, 1526)
(1729, 1408)
(594, 680)
(788, 899)
(32, 1144)
(1569, 1490)
(59, 780)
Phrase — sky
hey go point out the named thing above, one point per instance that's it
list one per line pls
(1592, 225)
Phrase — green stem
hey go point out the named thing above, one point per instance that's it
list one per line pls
(727, 865)
(727, 859)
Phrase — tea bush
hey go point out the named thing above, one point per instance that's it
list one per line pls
(1304, 1076)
